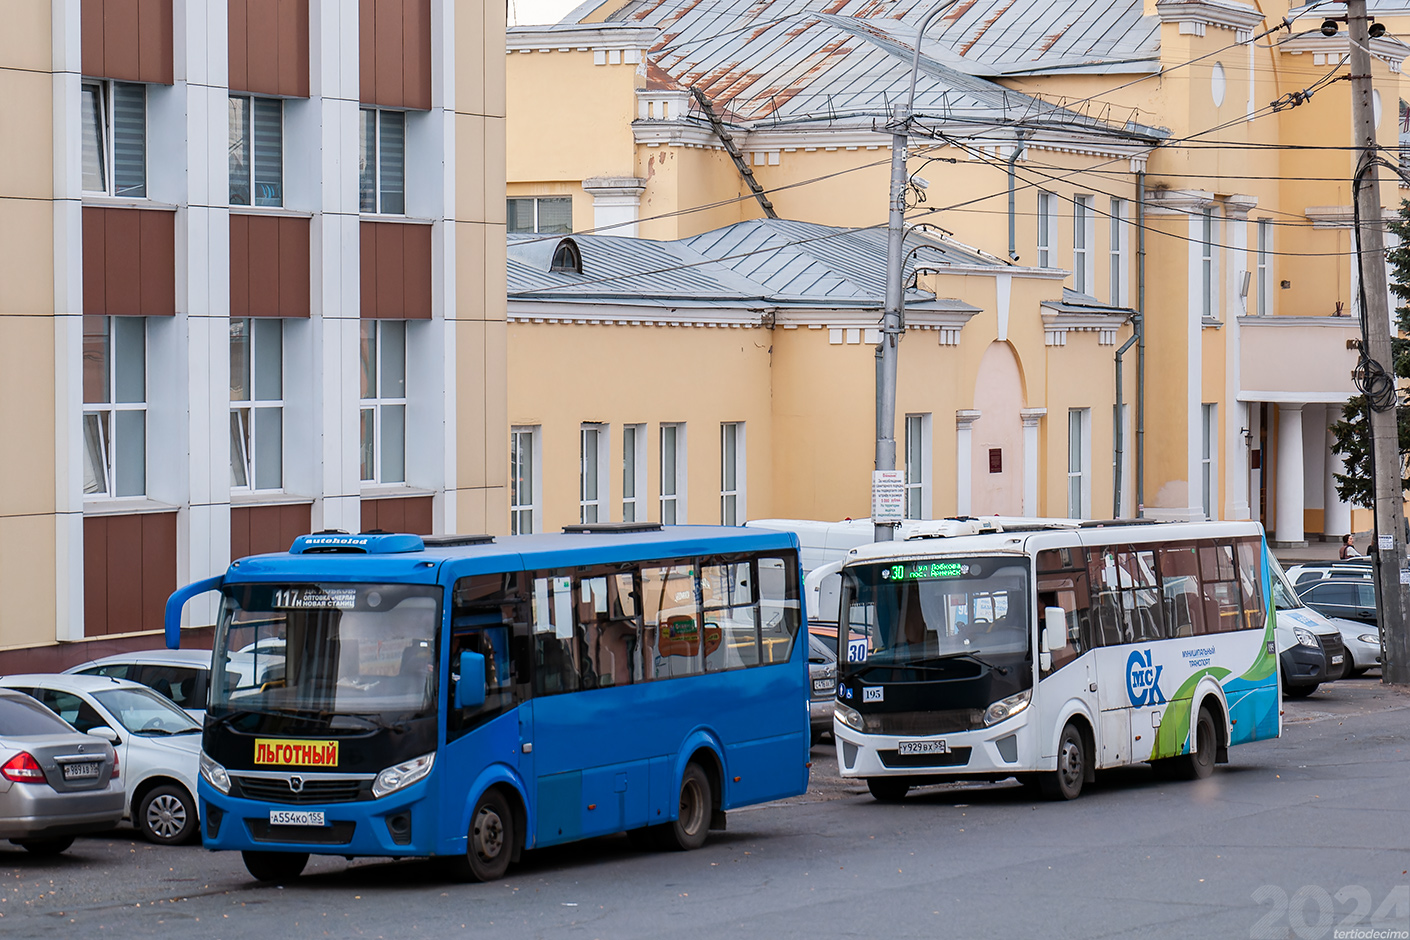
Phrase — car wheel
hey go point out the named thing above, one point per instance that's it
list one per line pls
(489, 845)
(888, 789)
(167, 816)
(44, 848)
(1300, 691)
(1065, 783)
(275, 866)
(1200, 763)
(692, 823)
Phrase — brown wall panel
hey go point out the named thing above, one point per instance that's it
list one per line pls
(56, 657)
(404, 514)
(269, 266)
(255, 530)
(129, 571)
(395, 63)
(268, 47)
(396, 271)
(129, 262)
(127, 40)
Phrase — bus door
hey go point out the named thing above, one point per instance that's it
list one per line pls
(1070, 675)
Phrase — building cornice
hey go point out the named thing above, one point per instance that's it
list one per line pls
(629, 43)
(1193, 16)
(1329, 50)
(1057, 325)
(1338, 216)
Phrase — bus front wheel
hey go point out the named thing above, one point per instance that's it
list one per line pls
(275, 866)
(490, 842)
(888, 789)
(692, 823)
(1065, 783)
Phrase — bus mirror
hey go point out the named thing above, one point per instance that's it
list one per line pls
(1054, 628)
(470, 690)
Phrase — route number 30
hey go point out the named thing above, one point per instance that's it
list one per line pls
(1311, 910)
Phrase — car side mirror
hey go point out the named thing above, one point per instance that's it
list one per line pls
(106, 733)
(1054, 629)
(470, 690)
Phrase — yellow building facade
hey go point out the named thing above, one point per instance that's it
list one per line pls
(1187, 160)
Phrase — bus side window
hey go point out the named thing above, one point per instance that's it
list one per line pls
(671, 614)
(607, 629)
(488, 617)
(1184, 602)
(556, 639)
(1219, 587)
(1109, 623)
(779, 608)
(731, 614)
(1250, 559)
(1061, 584)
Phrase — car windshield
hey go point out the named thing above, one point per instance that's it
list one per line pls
(142, 711)
(22, 717)
(356, 649)
(923, 611)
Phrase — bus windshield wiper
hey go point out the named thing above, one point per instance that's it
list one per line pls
(963, 654)
(375, 721)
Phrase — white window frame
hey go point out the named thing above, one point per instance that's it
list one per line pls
(1079, 463)
(107, 144)
(378, 208)
(100, 429)
(634, 473)
(1209, 459)
(383, 407)
(1047, 228)
(538, 205)
(1118, 250)
(245, 413)
(673, 503)
(594, 469)
(525, 453)
(733, 508)
(1084, 230)
(249, 177)
(1209, 267)
(917, 466)
(1264, 267)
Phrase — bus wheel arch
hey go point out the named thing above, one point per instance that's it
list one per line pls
(709, 762)
(1215, 706)
(519, 816)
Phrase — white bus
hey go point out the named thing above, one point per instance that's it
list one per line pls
(1048, 651)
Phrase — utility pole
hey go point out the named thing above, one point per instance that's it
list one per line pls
(893, 315)
(1390, 567)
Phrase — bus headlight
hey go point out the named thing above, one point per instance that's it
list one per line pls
(1007, 707)
(215, 774)
(402, 775)
(1305, 637)
(848, 716)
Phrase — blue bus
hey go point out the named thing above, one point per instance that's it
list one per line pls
(470, 697)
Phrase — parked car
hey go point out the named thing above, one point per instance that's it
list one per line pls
(55, 783)
(158, 745)
(1363, 645)
(822, 669)
(1344, 598)
(1310, 572)
(181, 675)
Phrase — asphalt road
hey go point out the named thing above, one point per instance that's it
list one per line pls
(1292, 839)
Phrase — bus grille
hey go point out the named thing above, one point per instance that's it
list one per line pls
(955, 757)
(338, 833)
(273, 790)
(938, 722)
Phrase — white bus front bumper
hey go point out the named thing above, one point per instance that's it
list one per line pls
(1000, 750)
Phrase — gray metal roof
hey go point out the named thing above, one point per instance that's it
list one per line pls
(763, 262)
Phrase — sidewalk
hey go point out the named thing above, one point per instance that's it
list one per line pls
(1315, 551)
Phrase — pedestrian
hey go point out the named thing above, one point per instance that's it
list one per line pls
(1347, 549)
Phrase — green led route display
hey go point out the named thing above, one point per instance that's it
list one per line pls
(923, 571)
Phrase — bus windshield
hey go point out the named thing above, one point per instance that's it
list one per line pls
(327, 649)
(912, 613)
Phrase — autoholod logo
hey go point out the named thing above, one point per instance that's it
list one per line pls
(1143, 680)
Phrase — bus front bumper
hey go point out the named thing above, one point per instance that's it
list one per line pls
(398, 825)
(1001, 750)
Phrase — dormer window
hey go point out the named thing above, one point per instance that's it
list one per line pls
(567, 258)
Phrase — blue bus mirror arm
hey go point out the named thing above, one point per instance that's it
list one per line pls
(178, 600)
(470, 690)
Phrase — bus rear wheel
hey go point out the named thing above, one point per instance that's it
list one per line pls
(692, 823)
(1200, 762)
(275, 866)
(888, 789)
(1065, 783)
(489, 845)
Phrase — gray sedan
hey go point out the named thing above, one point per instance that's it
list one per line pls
(55, 783)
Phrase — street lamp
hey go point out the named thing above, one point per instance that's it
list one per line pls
(891, 318)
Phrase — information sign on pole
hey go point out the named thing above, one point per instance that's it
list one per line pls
(888, 497)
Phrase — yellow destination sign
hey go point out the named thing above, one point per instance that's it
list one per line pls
(286, 753)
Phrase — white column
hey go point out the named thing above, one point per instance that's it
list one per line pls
(1287, 527)
(616, 202)
(964, 463)
(1336, 514)
(1030, 418)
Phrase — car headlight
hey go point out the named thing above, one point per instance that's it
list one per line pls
(1370, 638)
(848, 716)
(1007, 707)
(214, 773)
(402, 775)
(1305, 637)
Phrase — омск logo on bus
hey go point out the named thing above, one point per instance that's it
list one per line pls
(1143, 680)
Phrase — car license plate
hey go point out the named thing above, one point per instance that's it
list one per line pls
(1337, 660)
(822, 685)
(81, 771)
(290, 817)
(922, 747)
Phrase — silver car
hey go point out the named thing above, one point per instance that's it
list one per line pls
(55, 783)
(822, 673)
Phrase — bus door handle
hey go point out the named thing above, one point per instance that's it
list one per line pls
(528, 747)
(1091, 687)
